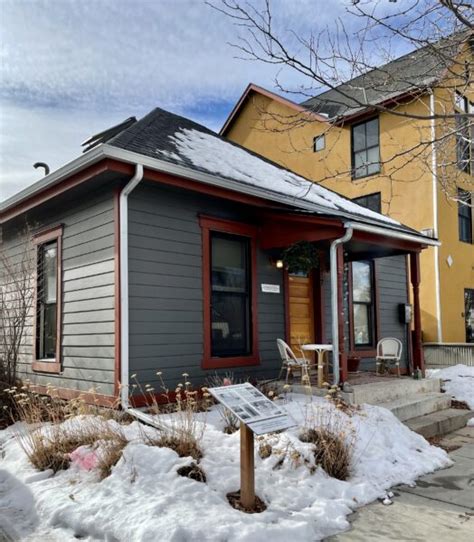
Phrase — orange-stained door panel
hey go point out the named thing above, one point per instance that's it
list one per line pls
(300, 295)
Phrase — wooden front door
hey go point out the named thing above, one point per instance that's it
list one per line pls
(300, 294)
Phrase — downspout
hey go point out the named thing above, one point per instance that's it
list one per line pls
(124, 325)
(334, 302)
(124, 305)
(434, 177)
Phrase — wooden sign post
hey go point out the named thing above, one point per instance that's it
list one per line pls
(247, 467)
(257, 414)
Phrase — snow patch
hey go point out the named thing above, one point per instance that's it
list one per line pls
(458, 381)
(217, 156)
(144, 498)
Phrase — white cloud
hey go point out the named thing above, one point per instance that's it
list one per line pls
(72, 68)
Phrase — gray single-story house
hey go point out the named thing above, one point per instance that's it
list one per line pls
(158, 250)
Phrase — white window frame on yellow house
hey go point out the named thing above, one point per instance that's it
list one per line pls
(464, 133)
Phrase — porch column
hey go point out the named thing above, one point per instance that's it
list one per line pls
(340, 306)
(418, 359)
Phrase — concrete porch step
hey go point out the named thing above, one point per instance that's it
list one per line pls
(414, 406)
(394, 388)
(440, 423)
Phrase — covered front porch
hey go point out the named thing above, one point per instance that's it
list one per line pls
(364, 288)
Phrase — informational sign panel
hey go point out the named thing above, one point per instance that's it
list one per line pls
(252, 408)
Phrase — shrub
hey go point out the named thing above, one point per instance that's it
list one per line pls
(181, 431)
(332, 440)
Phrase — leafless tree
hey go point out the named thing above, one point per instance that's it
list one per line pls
(16, 303)
(353, 59)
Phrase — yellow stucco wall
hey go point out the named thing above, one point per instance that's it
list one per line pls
(276, 131)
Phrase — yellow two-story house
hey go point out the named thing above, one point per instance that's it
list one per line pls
(392, 155)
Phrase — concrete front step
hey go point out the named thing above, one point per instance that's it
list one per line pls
(417, 405)
(440, 423)
(394, 388)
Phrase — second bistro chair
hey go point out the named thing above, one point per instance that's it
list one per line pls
(389, 351)
(290, 362)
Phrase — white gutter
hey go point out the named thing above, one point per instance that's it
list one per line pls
(334, 300)
(393, 234)
(434, 188)
(124, 324)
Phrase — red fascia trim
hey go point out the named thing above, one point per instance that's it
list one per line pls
(392, 242)
(268, 94)
(67, 184)
(51, 234)
(209, 224)
(202, 188)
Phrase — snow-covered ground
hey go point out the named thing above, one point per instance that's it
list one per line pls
(458, 381)
(144, 499)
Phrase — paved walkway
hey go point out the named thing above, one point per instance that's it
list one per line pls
(439, 509)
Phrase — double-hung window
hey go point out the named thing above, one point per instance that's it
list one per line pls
(48, 301)
(365, 148)
(464, 133)
(465, 215)
(363, 304)
(229, 286)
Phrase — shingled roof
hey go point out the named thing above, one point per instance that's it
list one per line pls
(178, 140)
(415, 71)
(168, 142)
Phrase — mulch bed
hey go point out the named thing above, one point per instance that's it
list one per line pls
(234, 501)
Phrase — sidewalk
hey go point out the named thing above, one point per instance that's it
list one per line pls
(439, 508)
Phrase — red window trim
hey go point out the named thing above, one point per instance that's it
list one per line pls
(210, 224)
(51, 234)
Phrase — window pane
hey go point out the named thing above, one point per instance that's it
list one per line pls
(361, 324)
(372, 130)
(372, 202)
(49, 332)
(360, 160)
(229, 265)
(230, 324)
(373, 160)
(49, 273)
(361, 282)
(358, 137)
(319, 143)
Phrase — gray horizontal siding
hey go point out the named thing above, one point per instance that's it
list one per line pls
(166, 303)
(392, 290)
(88, 342)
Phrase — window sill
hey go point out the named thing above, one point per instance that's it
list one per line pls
(364, 352)
(226, 363)
(466, 242)
(43, 366)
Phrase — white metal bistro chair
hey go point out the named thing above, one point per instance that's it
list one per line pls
(389, 351)
(291, 362)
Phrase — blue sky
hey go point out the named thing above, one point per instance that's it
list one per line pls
(71, 68)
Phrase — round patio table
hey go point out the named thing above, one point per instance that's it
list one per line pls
(321, 350)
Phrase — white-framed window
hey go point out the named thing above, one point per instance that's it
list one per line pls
(319, 143)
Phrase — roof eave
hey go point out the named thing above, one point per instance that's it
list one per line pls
(268, 94)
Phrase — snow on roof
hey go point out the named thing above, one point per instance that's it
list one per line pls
(214, 154)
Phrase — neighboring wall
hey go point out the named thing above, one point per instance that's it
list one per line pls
(88, 289)
(392, 290)
(404, 182)
(166, 303)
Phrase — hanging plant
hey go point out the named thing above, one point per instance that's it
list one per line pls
(301, 257)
